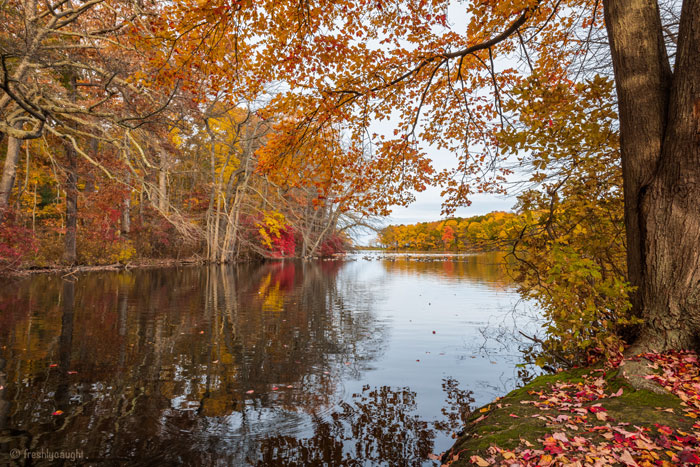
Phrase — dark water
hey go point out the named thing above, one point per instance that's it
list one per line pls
(372, 361)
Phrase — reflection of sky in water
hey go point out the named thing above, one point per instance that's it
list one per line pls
(306, 362)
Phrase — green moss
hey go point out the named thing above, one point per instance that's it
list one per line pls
(506, 421)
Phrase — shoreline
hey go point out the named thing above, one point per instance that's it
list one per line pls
(75, 269)
(589, 416)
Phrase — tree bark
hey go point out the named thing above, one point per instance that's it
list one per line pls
(671, 207)
(163, 182)
(70, 241)
(660, 145)
(642, 77)
(9, 171)
(70, 255)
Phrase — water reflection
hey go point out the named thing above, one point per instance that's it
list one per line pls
(283, 363)
(187, 366)
(485, 268)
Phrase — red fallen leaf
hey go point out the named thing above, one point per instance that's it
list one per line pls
(250, 392)
(664, 429)
(596, 409)
(53, 365)
(514, 416)
(553, 449)
(689, 457)
(72, 372)
(664, 442)
(290, 386)
(58, 412)
(275, 388)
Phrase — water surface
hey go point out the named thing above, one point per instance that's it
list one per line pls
(372, 360)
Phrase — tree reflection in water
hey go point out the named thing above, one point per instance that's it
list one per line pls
(377, 427)
(205, 366)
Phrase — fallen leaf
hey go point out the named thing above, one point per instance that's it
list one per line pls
(626, 457)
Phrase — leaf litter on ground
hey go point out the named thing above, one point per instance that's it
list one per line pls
(580, 430)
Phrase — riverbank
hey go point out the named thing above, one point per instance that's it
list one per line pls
(590, 417)
(139, 264)
(75, 269)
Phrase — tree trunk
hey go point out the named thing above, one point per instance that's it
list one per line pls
(70, 253)
(660, 146)
(671, 207)
(9, 171)
(163, 182)
(642, 76)
(126, 210)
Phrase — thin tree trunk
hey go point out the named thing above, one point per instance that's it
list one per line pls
(9, 170)
(70, 254)
(163, 182)
(126, 210)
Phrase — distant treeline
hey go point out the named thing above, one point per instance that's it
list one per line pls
(485, 232)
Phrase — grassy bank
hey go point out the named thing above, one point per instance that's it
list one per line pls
(590, 417)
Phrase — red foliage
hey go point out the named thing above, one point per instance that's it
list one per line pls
(334, 243)
(284, 245)
(16, 241)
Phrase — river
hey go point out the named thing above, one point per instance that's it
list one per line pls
(371, 360)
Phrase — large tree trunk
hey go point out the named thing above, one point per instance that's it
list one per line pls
(671, 207)
(660, 145)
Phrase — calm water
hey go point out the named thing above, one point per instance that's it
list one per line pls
(369, 361)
